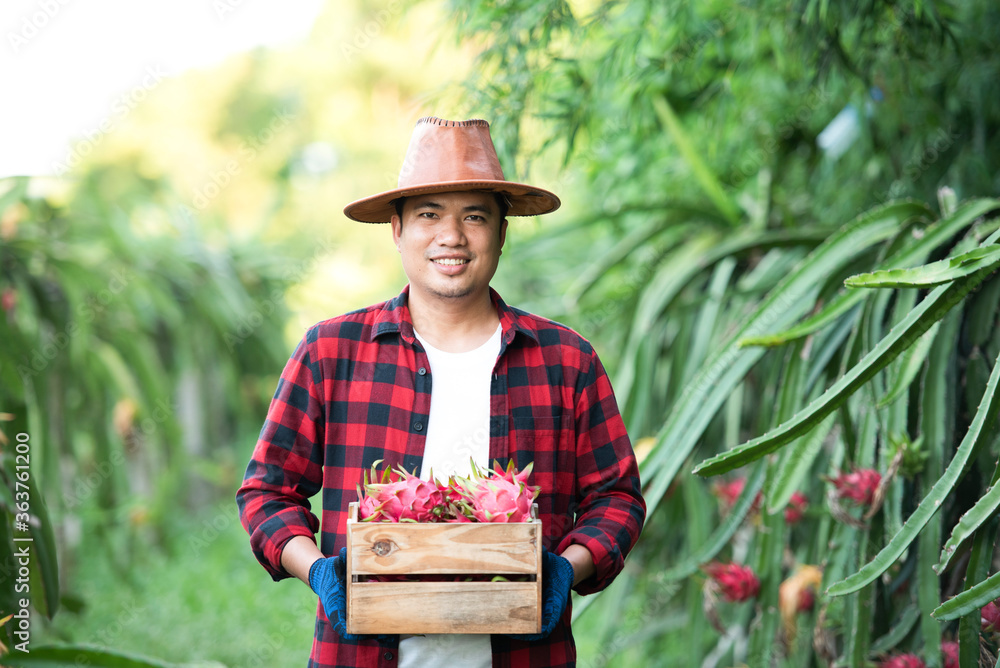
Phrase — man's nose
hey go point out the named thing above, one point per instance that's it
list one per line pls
(450, 232)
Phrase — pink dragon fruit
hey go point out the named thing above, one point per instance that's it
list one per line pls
(990, 616)
(949, 650)
(398, 497)
(859, 486)
(903, 661)
(497, 495)
(736, 583)
(499, 500)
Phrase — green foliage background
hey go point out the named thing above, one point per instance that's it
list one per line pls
(708, 233)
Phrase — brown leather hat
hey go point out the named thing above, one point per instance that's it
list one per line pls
(449, 156)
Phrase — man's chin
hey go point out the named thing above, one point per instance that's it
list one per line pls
(454, 293)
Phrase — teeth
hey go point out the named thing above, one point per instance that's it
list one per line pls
(450, 261)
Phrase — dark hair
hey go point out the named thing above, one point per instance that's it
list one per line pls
(502, 203)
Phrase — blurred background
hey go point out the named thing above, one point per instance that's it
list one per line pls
(172, 179)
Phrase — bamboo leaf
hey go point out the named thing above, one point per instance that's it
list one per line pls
(789, 300)
(970, 600)
(935, 306)
(702, 173)
(980, 427)
(928, 275)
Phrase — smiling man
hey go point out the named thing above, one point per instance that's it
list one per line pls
(444, 374)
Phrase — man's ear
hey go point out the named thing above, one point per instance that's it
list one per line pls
(503, 232)
(397, 229)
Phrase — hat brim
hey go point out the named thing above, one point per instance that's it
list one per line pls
(524, 200)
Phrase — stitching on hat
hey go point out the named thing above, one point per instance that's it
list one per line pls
(434, 120)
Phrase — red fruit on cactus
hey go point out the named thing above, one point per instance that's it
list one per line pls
(859, 486)
(736, 583)
(990, 616)
(903, 661)
(949, 650)
(796, 507)
(9, 299)
(729, 492)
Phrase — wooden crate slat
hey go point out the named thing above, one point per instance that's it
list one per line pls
(443, 607)
(385, 549)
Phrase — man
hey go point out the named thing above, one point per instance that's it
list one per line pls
(507, 385)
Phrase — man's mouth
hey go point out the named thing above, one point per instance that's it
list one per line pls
(449, 261)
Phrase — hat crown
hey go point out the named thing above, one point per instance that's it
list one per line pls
(452, 156)
(443, 151)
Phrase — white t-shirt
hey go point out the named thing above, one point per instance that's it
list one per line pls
(458, 429)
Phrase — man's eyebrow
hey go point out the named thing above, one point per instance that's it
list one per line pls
(427, 204)
(478, 208)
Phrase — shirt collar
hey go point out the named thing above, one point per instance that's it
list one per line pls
(394, 317)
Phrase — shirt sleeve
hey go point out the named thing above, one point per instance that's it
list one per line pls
(286, 467)
(611, 508)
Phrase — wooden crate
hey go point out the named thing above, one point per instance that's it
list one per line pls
(387, 548)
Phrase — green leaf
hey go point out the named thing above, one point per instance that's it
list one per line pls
(929, 275)
(970, 600)
(912, 361)
(796, 464)
(702, 173)
(935, 306)
(984, 510)
(899, 631)
(44, 562)
(978, 430)
(789, 300)
(932, 237)
(71, 656)
(720, 537)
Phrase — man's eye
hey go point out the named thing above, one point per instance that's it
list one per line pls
(478, 219)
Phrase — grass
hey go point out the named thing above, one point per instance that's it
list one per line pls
(208, 599)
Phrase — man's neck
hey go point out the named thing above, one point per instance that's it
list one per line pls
(454, 325)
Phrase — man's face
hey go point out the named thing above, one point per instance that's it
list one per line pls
(450, 243)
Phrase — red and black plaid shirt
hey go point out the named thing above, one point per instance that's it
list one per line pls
(358, 389)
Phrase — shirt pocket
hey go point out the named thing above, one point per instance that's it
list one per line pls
(547, 442)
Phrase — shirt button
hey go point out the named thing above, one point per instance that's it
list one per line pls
(387, 656)
(421, 371)
(419, 426)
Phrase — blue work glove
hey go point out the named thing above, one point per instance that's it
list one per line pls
(557, 579)
(328, 578)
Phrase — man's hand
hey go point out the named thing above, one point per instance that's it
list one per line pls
(328, 578)
(557, 579)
